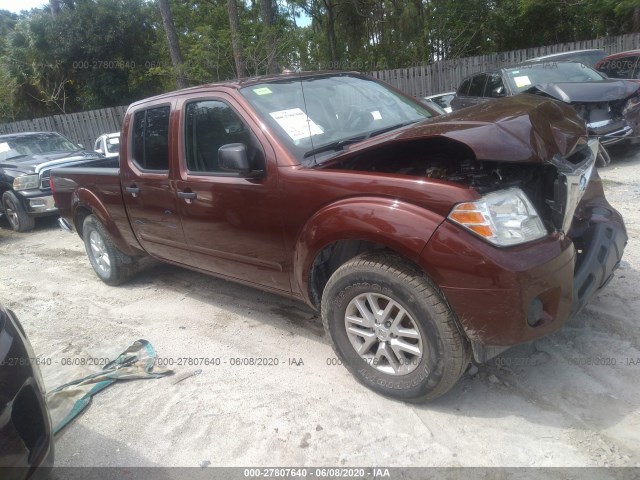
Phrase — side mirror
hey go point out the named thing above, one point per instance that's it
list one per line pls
(233, 157)
(498, 92)
(80, 145)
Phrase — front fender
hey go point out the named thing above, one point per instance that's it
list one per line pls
(400, 226)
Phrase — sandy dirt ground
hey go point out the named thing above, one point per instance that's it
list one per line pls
(535, 405)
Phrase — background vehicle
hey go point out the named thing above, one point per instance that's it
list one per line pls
(420, 238)
(26, 160)
(608, 106)
(442, 100)
(26, 438)
(586, 57)
(108, 144)
(620, 65)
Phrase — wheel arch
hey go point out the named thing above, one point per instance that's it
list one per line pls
(350, 227)
(87, 203)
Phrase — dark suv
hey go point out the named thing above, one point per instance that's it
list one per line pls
(621, 65)
(607, 106)
(26, 160)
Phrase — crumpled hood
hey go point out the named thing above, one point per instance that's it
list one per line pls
(35, 163)
(524, 128)
(604, 91)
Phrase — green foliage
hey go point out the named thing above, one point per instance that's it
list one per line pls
(101, 53)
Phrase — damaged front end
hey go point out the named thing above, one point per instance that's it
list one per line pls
(534, 155)
(610, 108)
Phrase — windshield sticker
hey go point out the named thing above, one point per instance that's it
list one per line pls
(262, 91)
(376, 115)
(522, 81)
(296, 123)
(4, 147)
(113, 141)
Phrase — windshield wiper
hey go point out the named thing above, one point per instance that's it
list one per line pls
(338, 145)
(388, 129)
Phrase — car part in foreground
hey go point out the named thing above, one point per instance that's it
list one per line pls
(26, 438)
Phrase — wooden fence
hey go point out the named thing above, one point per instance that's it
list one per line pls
(446, 76)
(419, 81)
(82, 127)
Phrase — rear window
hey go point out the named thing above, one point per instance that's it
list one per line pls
(151, 138)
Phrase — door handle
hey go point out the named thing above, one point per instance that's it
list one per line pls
(188, 195)
(133, 190)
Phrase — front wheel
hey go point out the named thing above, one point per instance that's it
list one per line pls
(392, 329)
(18, 217)
(110, 264)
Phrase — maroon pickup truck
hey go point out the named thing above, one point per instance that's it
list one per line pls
(421, 239)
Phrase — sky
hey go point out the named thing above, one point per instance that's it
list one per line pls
(17, 5)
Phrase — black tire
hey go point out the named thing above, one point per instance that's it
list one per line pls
(111, 265)
(445, 351)
(18, 218)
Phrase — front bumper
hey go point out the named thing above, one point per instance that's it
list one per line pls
(610, 132)
(26, 438)
(37, 203)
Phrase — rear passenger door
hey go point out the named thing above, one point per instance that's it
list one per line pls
(232, 224)
(148, 194)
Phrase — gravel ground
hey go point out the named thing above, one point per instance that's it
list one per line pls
(535, 405)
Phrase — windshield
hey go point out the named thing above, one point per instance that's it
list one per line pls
(316, 117)
(524, 77)
(34, 144)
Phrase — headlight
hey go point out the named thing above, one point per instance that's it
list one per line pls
(26, 182)
(503, 218)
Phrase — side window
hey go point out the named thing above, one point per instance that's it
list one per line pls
(494, 82)
(464, 88)
(477, 85)
(151, 138)
(210, 124)
(97, 146)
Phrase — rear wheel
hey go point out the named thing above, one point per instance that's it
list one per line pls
(110, 264)
(18, 218)
(392, 329)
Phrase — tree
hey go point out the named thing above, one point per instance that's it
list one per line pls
(172, 41)
(236, 39)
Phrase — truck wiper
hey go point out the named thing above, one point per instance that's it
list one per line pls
(388, 129)
(338, 145)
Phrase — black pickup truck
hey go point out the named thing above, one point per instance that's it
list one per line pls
(26, 160)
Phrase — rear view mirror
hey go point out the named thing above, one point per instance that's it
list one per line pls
(233, 157)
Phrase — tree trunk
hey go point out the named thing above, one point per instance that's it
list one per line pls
(331, 33)
(54, 6)
(269, 40)
(636, 19)
(172, 40)
(236, 39)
